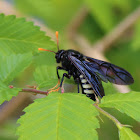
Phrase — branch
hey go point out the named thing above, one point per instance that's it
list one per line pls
(105, 43)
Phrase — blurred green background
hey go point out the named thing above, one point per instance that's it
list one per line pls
(93, 20)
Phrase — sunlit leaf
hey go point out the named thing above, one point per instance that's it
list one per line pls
(128, 103)
(20, 36)
(59, 116)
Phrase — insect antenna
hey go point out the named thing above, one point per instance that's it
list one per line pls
(56, 33)
(41, 49)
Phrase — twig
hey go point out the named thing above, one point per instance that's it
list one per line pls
(118, 124)
(105, 43)
(34, 91)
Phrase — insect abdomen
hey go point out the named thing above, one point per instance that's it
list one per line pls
(86, 88)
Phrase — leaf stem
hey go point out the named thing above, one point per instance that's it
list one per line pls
(118, 124)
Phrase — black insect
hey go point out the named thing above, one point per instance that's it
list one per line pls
(89, 72)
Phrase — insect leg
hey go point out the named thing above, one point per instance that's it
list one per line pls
(78, 87)
(78, 83)
(53, 89)
(64, 75)
(59, 68)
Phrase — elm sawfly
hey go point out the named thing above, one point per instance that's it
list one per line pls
(88, 72)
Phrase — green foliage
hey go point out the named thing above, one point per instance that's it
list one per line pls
(45, 76)
(64, 116)
(91, 29)
(73, 116)
(127, 134)
(128, 103)
(97, 8)
(59, 116)
(45, 58)
(11, 66)
(20, 36)
(45, 72)
(57, 14)
(7, 93)
(17, 37)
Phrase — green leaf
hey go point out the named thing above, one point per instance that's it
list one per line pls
(45, 72)
(128, 103)
(45, 58)
(127, 134)
(12, 65)
(102, 12)
(20, 36)
(59, 116)
(7, 93)
(45, 76)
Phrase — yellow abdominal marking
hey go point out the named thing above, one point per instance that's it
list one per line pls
(89, 91)
(87, 86)
(83, 80)
(81, 76)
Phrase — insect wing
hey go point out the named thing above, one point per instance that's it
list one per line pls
(94, 68)
(92, 79)
(111, 72)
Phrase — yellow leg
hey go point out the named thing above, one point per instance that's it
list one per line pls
(55, 85)
(54, 90)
